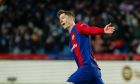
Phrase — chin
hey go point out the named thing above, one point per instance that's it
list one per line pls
(65, 27)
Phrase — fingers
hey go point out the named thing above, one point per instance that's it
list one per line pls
(109, 28)
(113, 28)
(110, 25)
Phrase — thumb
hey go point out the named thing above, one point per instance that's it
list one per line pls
(107, 25)
(110, 24)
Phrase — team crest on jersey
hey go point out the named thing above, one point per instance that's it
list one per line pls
(73, 36)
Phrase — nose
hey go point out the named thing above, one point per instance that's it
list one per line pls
(61, 21)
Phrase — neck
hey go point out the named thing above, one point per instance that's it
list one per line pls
(73, 23)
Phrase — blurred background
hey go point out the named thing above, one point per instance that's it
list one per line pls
(34, 48)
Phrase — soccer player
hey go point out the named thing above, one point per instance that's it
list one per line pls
(88, 71)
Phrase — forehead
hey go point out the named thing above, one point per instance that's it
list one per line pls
(62, 15)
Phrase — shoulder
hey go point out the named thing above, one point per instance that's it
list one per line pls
(80, 24)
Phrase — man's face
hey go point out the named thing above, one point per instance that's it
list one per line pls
(65, 20)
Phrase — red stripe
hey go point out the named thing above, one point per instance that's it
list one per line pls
(77, 50)
(93, 57)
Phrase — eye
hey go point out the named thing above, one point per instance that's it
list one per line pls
(63, 17)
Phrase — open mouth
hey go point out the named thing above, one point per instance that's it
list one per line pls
(63, 24)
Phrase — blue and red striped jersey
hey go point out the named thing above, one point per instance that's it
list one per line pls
(80, 46)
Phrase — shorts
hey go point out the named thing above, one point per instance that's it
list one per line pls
(86, 75)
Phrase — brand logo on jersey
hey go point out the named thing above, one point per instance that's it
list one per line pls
(74, 46)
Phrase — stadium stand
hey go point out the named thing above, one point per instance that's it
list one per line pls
(31, 26)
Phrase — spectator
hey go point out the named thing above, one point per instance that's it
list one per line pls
(31, 26)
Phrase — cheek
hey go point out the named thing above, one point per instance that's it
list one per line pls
(68, 21)
(65, 20)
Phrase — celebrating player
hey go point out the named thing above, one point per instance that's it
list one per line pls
(88, 71)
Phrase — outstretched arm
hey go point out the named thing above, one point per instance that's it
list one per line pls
(85, 29)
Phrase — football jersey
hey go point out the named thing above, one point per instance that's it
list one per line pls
(80, 45)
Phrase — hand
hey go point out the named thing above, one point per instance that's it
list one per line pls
(109, 29)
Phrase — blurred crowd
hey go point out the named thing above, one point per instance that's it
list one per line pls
(31, 26)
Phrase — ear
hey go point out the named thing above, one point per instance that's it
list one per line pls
(72, 17)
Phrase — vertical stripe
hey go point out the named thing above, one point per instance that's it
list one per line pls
(93, 57)
(77, 49)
